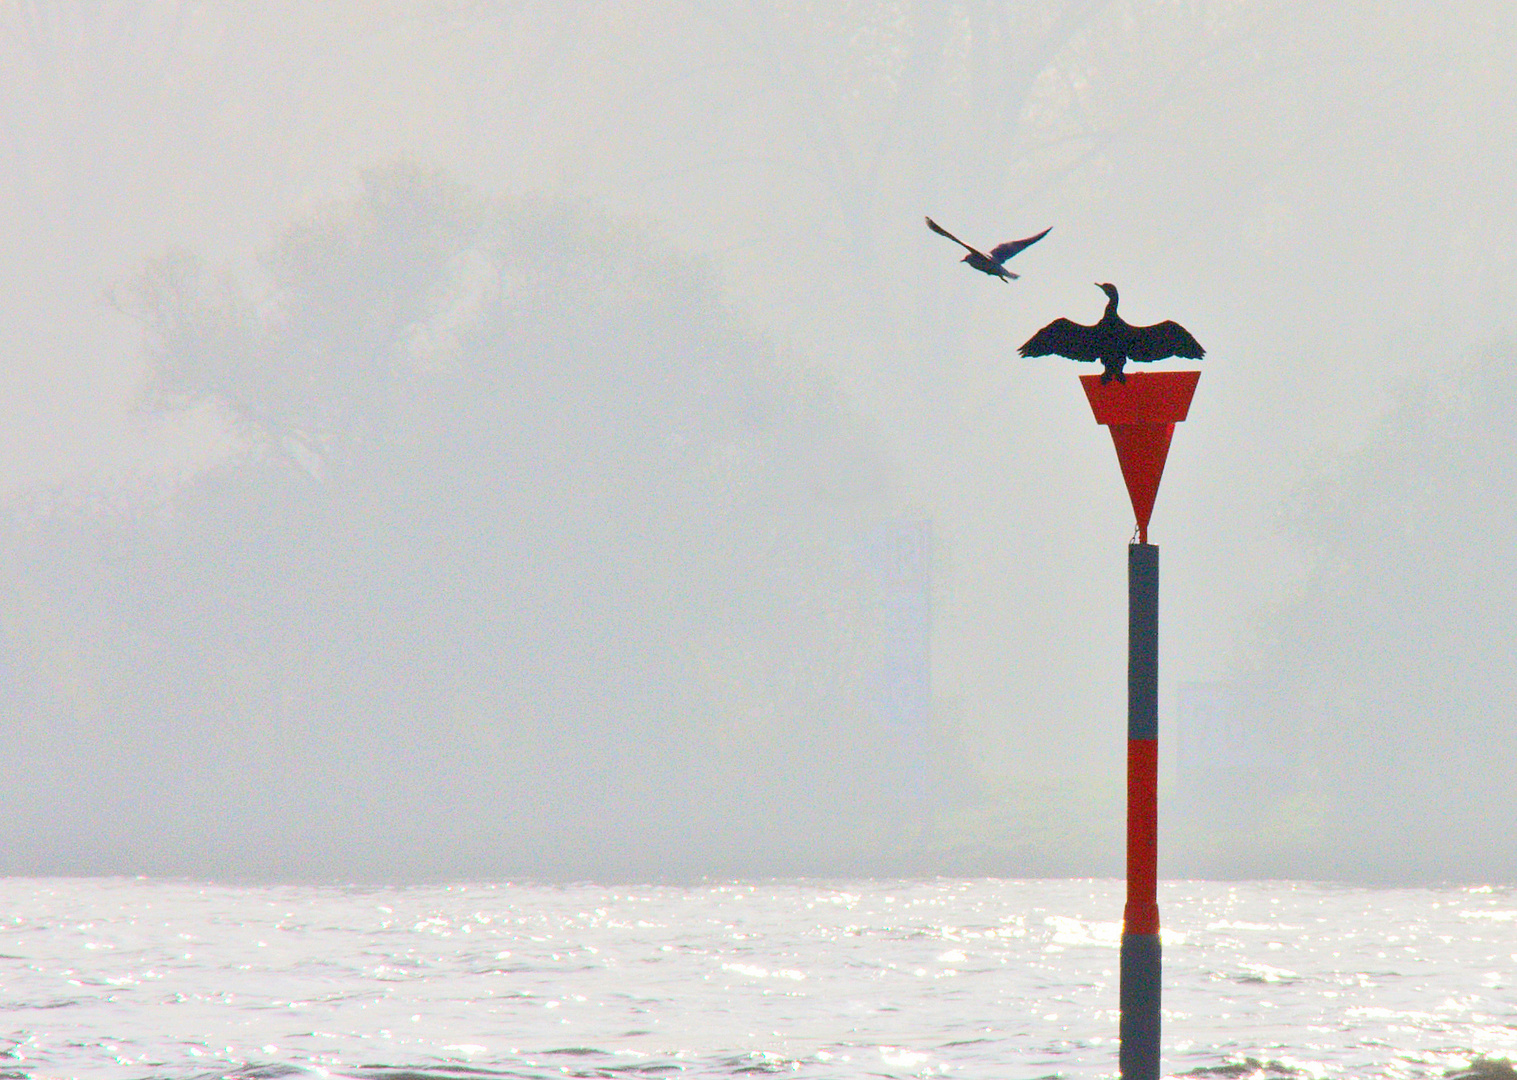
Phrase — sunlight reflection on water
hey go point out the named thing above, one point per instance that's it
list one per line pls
(930, 978)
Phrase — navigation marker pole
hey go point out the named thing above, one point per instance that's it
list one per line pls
(1141, 415)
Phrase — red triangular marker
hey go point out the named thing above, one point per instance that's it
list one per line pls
(1142, 414)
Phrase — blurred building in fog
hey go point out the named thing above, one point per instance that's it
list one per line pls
(898, 555)
(1229, 740)
(1239, 777)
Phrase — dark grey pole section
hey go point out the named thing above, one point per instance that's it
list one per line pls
(1139, 1055)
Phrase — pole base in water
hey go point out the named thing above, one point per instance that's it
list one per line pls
(1139, 1056)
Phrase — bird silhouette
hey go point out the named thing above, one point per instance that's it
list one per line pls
(1113, 341)
(993, 264)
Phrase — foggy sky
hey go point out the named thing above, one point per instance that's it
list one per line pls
(1322, 196)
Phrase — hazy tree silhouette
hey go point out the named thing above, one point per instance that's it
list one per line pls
(531, 556)
(1389, 666)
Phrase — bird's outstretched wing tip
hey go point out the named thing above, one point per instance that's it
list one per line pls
(1001, 252)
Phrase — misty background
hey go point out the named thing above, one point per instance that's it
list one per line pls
(469, 438)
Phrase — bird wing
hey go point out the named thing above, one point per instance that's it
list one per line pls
(1001, 252)
(1162, 340)
(1064, 338)
(935, 227)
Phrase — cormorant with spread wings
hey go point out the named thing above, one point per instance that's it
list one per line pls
(993, 264)
(1113, 341)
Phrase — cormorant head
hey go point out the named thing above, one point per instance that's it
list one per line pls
(1110, 291)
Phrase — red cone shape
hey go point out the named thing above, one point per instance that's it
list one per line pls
(1142, 414)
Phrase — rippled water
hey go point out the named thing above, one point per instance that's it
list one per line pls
(970, 979)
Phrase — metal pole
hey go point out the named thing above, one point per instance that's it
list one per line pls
(1139, 1055)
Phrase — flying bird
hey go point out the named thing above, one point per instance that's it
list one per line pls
(993, 264)
(1113, 341)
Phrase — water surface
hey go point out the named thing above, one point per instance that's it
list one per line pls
(964, 978)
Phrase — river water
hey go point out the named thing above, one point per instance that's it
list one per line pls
(952, 978)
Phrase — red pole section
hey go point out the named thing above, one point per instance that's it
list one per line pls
(1141, 915)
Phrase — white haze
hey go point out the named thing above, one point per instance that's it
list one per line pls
(1322, 194)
